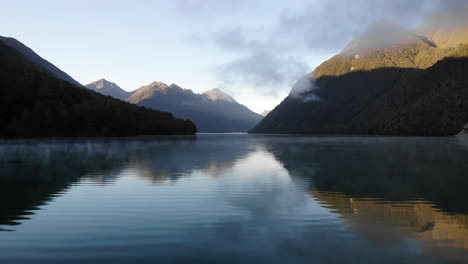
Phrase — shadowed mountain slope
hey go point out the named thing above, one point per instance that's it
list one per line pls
(33, 57)
(35, 103)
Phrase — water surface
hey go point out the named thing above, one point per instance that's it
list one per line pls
(234, 199)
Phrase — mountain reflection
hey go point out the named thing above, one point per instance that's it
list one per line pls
(393, 169)
(32, 173)
(387, 189)
(417, 219)
(168, 162)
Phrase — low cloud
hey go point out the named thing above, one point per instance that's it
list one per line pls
(304, 90)
(262, 69)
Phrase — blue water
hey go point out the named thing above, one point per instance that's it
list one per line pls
(234, 199)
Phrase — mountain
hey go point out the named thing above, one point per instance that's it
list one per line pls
(382, 45)
(265, 113)
(211, 111)
(38, 60)
(385, 34)
(109, 88)
(36, 103)
(218, 95)
(386, 81)
(146, 92)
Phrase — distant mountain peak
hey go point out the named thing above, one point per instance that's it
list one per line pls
(217, 94)
(265, 113)
(157, 84)
(106, 87)
(102, 83)
(177, 87)
(146, 91)
(211, 111)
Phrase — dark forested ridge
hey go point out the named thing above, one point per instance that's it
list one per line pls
(405, 86)
(34, 103)
(386, 101)
(31, 56)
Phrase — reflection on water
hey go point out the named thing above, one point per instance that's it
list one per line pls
(234, 199)
(387, 223)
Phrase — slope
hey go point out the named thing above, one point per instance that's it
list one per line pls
(33, 57)
(33, 103)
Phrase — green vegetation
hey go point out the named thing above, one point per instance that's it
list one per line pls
(460, 52)
(413, 55)
(386, 100)
(35, 104)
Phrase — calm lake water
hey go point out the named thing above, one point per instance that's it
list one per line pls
(234, 199)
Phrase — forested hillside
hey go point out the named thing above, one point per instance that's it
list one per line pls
(34, 103)
(387, 81)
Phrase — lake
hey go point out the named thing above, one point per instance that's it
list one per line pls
(214, 198)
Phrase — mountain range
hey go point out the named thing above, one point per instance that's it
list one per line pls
(39, 100)
(212, 111)
(389, 81)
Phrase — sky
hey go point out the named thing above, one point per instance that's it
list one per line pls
(254, 50)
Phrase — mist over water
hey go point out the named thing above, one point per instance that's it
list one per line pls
(234, 199)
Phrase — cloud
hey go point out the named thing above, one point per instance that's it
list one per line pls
(209, 7)
(455, 15)
(237, 39)
(330, 25)
(304, 89)
(260, 62)
(262, 69)
(272, 58)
